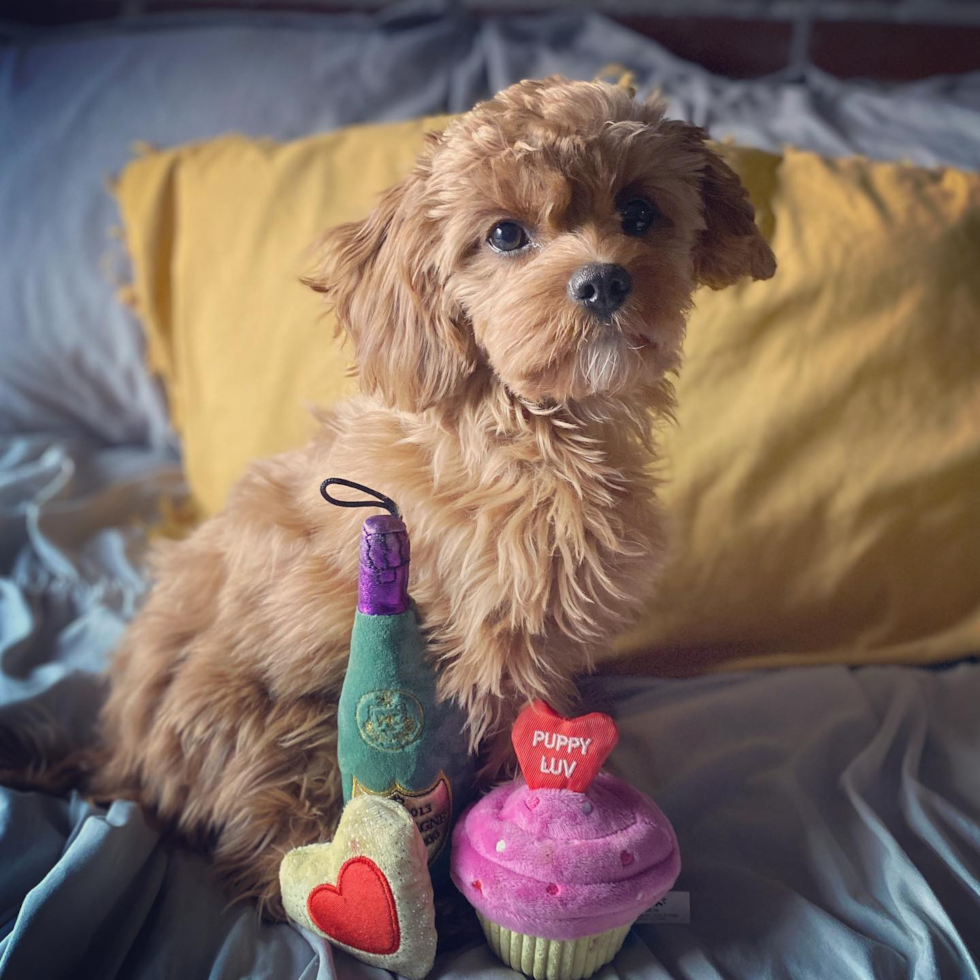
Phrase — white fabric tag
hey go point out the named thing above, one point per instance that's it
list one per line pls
(674, 907)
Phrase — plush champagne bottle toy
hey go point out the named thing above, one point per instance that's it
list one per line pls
(405, 769)
(394, 738)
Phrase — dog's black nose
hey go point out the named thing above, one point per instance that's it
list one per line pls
(600, 287)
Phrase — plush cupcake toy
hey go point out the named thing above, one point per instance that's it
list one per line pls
(560, 864)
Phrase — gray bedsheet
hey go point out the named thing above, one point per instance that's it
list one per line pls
(828, 818)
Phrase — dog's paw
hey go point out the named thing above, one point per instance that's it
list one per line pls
(368, 891)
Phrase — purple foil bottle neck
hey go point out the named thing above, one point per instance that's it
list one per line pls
(382, 583)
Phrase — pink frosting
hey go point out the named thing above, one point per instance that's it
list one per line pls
(558, 864)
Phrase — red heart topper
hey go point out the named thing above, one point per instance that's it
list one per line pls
(359, 911)
(562, 753)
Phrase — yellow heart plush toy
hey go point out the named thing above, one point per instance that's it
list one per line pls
(368, 891)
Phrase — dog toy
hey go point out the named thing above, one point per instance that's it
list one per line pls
(405, 769)
(368, 891)
(558, 865)
(394, 737)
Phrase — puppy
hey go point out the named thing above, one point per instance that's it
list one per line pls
(516, 306)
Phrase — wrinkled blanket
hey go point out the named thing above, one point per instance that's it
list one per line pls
(828, 818)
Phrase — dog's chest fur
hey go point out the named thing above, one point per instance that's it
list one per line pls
(535, 538)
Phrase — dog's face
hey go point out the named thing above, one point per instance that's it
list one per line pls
(552, 237)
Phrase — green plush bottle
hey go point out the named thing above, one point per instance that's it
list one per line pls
(395, 739)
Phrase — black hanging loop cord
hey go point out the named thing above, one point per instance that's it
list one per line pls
(380, 499)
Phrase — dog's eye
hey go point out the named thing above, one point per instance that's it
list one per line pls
(637, 215)
(508, 236)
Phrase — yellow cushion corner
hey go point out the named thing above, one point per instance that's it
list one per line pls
(219, 234)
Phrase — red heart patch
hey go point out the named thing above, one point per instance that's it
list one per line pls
(562, 753)
(359, 911)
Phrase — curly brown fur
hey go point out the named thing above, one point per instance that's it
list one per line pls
(512, 427)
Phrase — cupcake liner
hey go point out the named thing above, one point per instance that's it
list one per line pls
(553, 959)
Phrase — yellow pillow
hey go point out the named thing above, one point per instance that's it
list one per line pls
(824, 475)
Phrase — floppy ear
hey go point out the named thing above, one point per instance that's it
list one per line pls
(730, 246)
(381, 277)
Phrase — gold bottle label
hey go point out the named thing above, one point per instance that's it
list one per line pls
(431, 809)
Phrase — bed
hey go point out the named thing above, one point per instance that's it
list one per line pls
(828, 816)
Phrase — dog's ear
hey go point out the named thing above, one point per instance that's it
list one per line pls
(381, 275)
(730, 245)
